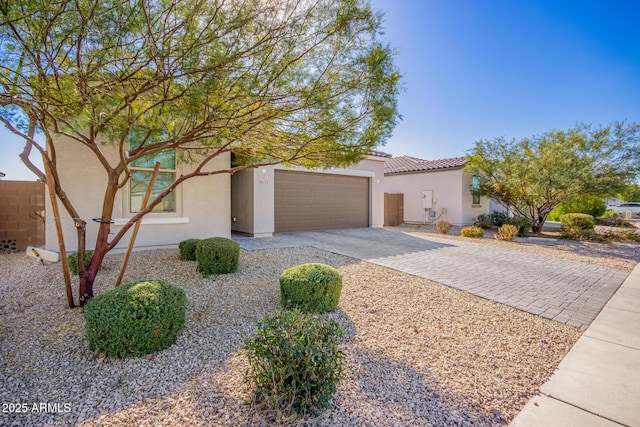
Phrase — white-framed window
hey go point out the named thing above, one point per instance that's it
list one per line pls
(142, 169)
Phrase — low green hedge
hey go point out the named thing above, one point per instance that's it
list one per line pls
(135, 319)
(312, 288)
(72, 259)
(576, 224)
(217, 255)
(472, 231)
(187, 249)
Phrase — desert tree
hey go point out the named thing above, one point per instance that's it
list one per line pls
(297, 82)
(533, 175)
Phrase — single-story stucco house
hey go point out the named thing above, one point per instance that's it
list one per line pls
(434, 189)
(256, 202)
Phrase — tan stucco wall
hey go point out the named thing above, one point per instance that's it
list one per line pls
(255, 216)
(202, 204)
(450, 191)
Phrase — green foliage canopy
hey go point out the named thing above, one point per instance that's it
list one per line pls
(533, 175)
(297, 82)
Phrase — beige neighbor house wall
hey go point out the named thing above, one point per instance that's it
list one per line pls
(202, 204)
(452, 199)
(253, 195)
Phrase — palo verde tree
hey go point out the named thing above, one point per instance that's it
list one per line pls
(533, 175)
(298, 82)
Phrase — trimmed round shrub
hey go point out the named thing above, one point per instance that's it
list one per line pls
(577, 224)
(217, 255)
(524, 224)
(187, 249)
(472, 231)
(443, 226)
(586, 204)
(311, 288)
(135, 319)
(507, 232)
(294, 364)
(72, 259)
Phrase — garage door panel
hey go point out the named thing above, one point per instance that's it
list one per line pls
(311, 201)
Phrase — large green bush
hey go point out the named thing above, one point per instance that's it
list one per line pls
(312, 288)
(72, 259)
(494, 219)
(294, 364)
(217, 255)
(577, 224)
(187, 249)
(135, 319)
(590, 205)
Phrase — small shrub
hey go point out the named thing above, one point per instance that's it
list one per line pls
(294, 364)
(484, 221)
(217, 255)
(443, 226)
(311, 288)
(498, 219)
(135, 319)
(72, 259)
(610, 214)
(524, 224)
(187, 249)
(577, 224)
(507, 232)
(472, 231)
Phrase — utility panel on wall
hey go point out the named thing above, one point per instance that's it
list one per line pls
(427, 199)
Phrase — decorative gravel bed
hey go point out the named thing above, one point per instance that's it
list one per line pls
(418, 353)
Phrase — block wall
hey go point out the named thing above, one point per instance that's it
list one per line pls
(22, 205)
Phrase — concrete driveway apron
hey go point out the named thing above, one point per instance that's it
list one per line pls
(567, 291)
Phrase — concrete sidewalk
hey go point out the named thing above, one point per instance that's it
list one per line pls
(598, 382)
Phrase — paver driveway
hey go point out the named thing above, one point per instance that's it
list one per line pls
(567, 291)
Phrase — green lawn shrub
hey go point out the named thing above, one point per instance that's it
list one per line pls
(72, 259)
(507, 232)
(294, 364)
(472, 231)
(311, 288)
(443, 226)
(135, 319)
(577, 225)
(187, 249)
(494, 219)
(217, 255)
(523, 223)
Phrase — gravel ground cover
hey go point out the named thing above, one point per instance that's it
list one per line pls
(418, 353)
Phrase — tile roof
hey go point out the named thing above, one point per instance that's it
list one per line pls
(407, 164)
(380, 154)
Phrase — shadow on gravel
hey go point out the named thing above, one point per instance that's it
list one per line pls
(398, 394)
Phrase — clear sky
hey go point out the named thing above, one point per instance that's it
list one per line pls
(479, 69)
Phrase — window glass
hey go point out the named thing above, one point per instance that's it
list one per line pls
(475, 190)
(142, 169)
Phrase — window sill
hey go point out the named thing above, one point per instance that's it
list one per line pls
(154, 221)
(476, 206)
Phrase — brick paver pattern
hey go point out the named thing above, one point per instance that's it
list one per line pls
(567, 291)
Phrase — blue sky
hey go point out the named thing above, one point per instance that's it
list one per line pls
(479, 69)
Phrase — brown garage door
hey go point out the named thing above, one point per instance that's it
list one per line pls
(314, 201)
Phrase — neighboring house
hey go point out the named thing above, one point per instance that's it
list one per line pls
(434, 189)
(255, 202)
